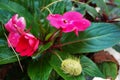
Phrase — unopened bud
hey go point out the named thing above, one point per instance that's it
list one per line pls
(71, 66)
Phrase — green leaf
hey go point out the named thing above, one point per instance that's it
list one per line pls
(6, 54)
(56, 64)
(117, 47)
(91, 11)
(69, 5)
(97, 37)
(43, 3)
(58, 7)
(117, 2)
(102, 5)
(109, 69)
(90, 68)
(83, 8)
(4, 16)
(39, 70)
(115, 12)
(16, 8)
(5, 1)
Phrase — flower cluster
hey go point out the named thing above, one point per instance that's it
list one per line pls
(24, 43)
(69, 21)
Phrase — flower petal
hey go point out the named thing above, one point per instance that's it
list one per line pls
(22, 44)
(72, 15)
(36, 45)
(68, 28)
(27, 52)
(14, 18)
(82, 25)
(55, 20)
(15, 22)
(13, 39)
(9, 26)
(27, 44)
(21, 23)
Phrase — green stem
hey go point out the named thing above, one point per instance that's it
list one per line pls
(53, 35)
(58, 56)
(14, 52)
(46, 7)
(48, 10)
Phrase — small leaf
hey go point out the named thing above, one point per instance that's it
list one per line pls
(97, 37)
(109, 69)
(91, 11)
(48, 36)
(39, 70)
(56, 64)
(81, 7)
(102, 5)
(6, 54)
(90, 68)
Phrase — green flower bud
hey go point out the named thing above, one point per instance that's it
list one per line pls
(71, 66)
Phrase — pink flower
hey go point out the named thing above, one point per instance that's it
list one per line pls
(15, 21)
(14, 26)
(55, 20)
(69, 21)
(13, 39)
(27, 44)
(24, 43)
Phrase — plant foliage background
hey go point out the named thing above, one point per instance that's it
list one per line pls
(104, 32)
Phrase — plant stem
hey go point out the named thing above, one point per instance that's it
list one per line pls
(14, 52)
(53, 35)
(46, 7)
(48, 10)
(57, 55)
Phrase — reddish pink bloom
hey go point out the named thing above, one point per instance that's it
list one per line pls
(27, 44)
(13, 39)
(69, 21)
(15, 21)
(14, 26)
(24, 43)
